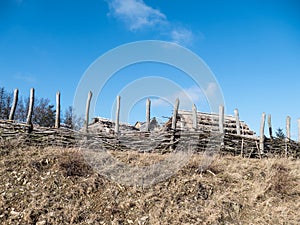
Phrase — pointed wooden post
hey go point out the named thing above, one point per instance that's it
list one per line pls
(117, 128)
(288, 134)
(57, 118)
(221, 119)
(221, 124)
(14, 105)
(299, 130)
(262, 133)
(237, 122)
(87, 111)
(194, 114)
(288, 128)
(270, 126)
(148, 105)
(30, 108)
(175, 112)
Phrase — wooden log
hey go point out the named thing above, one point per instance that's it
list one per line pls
(117, 122)
(194, 115)
(237, 121)
(14, 105)
(148, 105)
(87, 111)
(57, 118)
(175, 113)
(288, 128)
(30, 108)
(288, 134)
(270, 126)
(262, 133)
(221, 119)
(299, 130)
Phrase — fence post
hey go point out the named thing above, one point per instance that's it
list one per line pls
(288, 128)
(262, 133)
(117, 128)
(299, 130)
(270, 126)
(194, 113)
(237, 121)
(221, 119)
(148, 105)
(57, 118)
(175, 112)
(288, 134)
(30, 108)
(14, 105)
(221, 123)
(87, 111)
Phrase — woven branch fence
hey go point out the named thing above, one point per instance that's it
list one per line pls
(199, 131)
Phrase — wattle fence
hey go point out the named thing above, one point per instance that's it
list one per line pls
(185, 129)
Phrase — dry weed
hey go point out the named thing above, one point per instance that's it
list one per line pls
(56, 186)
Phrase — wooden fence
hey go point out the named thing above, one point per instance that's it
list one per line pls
(222, 135)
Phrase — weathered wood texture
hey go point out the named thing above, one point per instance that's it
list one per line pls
(237, 121)
(30, 108)
(148, 106)
(57, 117)
(14, 105)
(117, 129)
(133, 139)
(270, 126)
(87, 111)
(262, 133)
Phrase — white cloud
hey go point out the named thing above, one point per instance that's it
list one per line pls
(182, 36)
(187, 97)
(136, 14)
(25, 77)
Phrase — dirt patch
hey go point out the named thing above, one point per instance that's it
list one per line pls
(56, 186)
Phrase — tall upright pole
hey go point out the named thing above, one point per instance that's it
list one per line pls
(117, 128)
(57, 118)
(148, 106)
(87, 111)
(14, 105)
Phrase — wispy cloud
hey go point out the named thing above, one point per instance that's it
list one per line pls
(182, 36)
(25, 77)
(138, 16)
(187, 97)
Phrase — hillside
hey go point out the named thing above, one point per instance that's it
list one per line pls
(55, 186)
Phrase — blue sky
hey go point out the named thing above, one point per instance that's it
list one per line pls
(252, 47)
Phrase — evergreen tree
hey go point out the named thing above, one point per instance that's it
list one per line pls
(43, 113)
(280, 134)
(68, 118)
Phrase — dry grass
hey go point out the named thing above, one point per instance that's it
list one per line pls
(56, 186)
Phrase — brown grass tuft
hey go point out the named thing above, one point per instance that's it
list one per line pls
(56, 186)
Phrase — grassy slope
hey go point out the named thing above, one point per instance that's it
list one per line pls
(55, 186)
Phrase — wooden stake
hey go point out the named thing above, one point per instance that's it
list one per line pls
(270, 126)
(148, 105)
(237, 121)
(117, 129)
(30, 108)
(262, 133)
(194, 112)
(175, 112)
(221, 119)
(288, 128)
(288, 134)
(57, 118)
(87, 111)
(14, 105)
